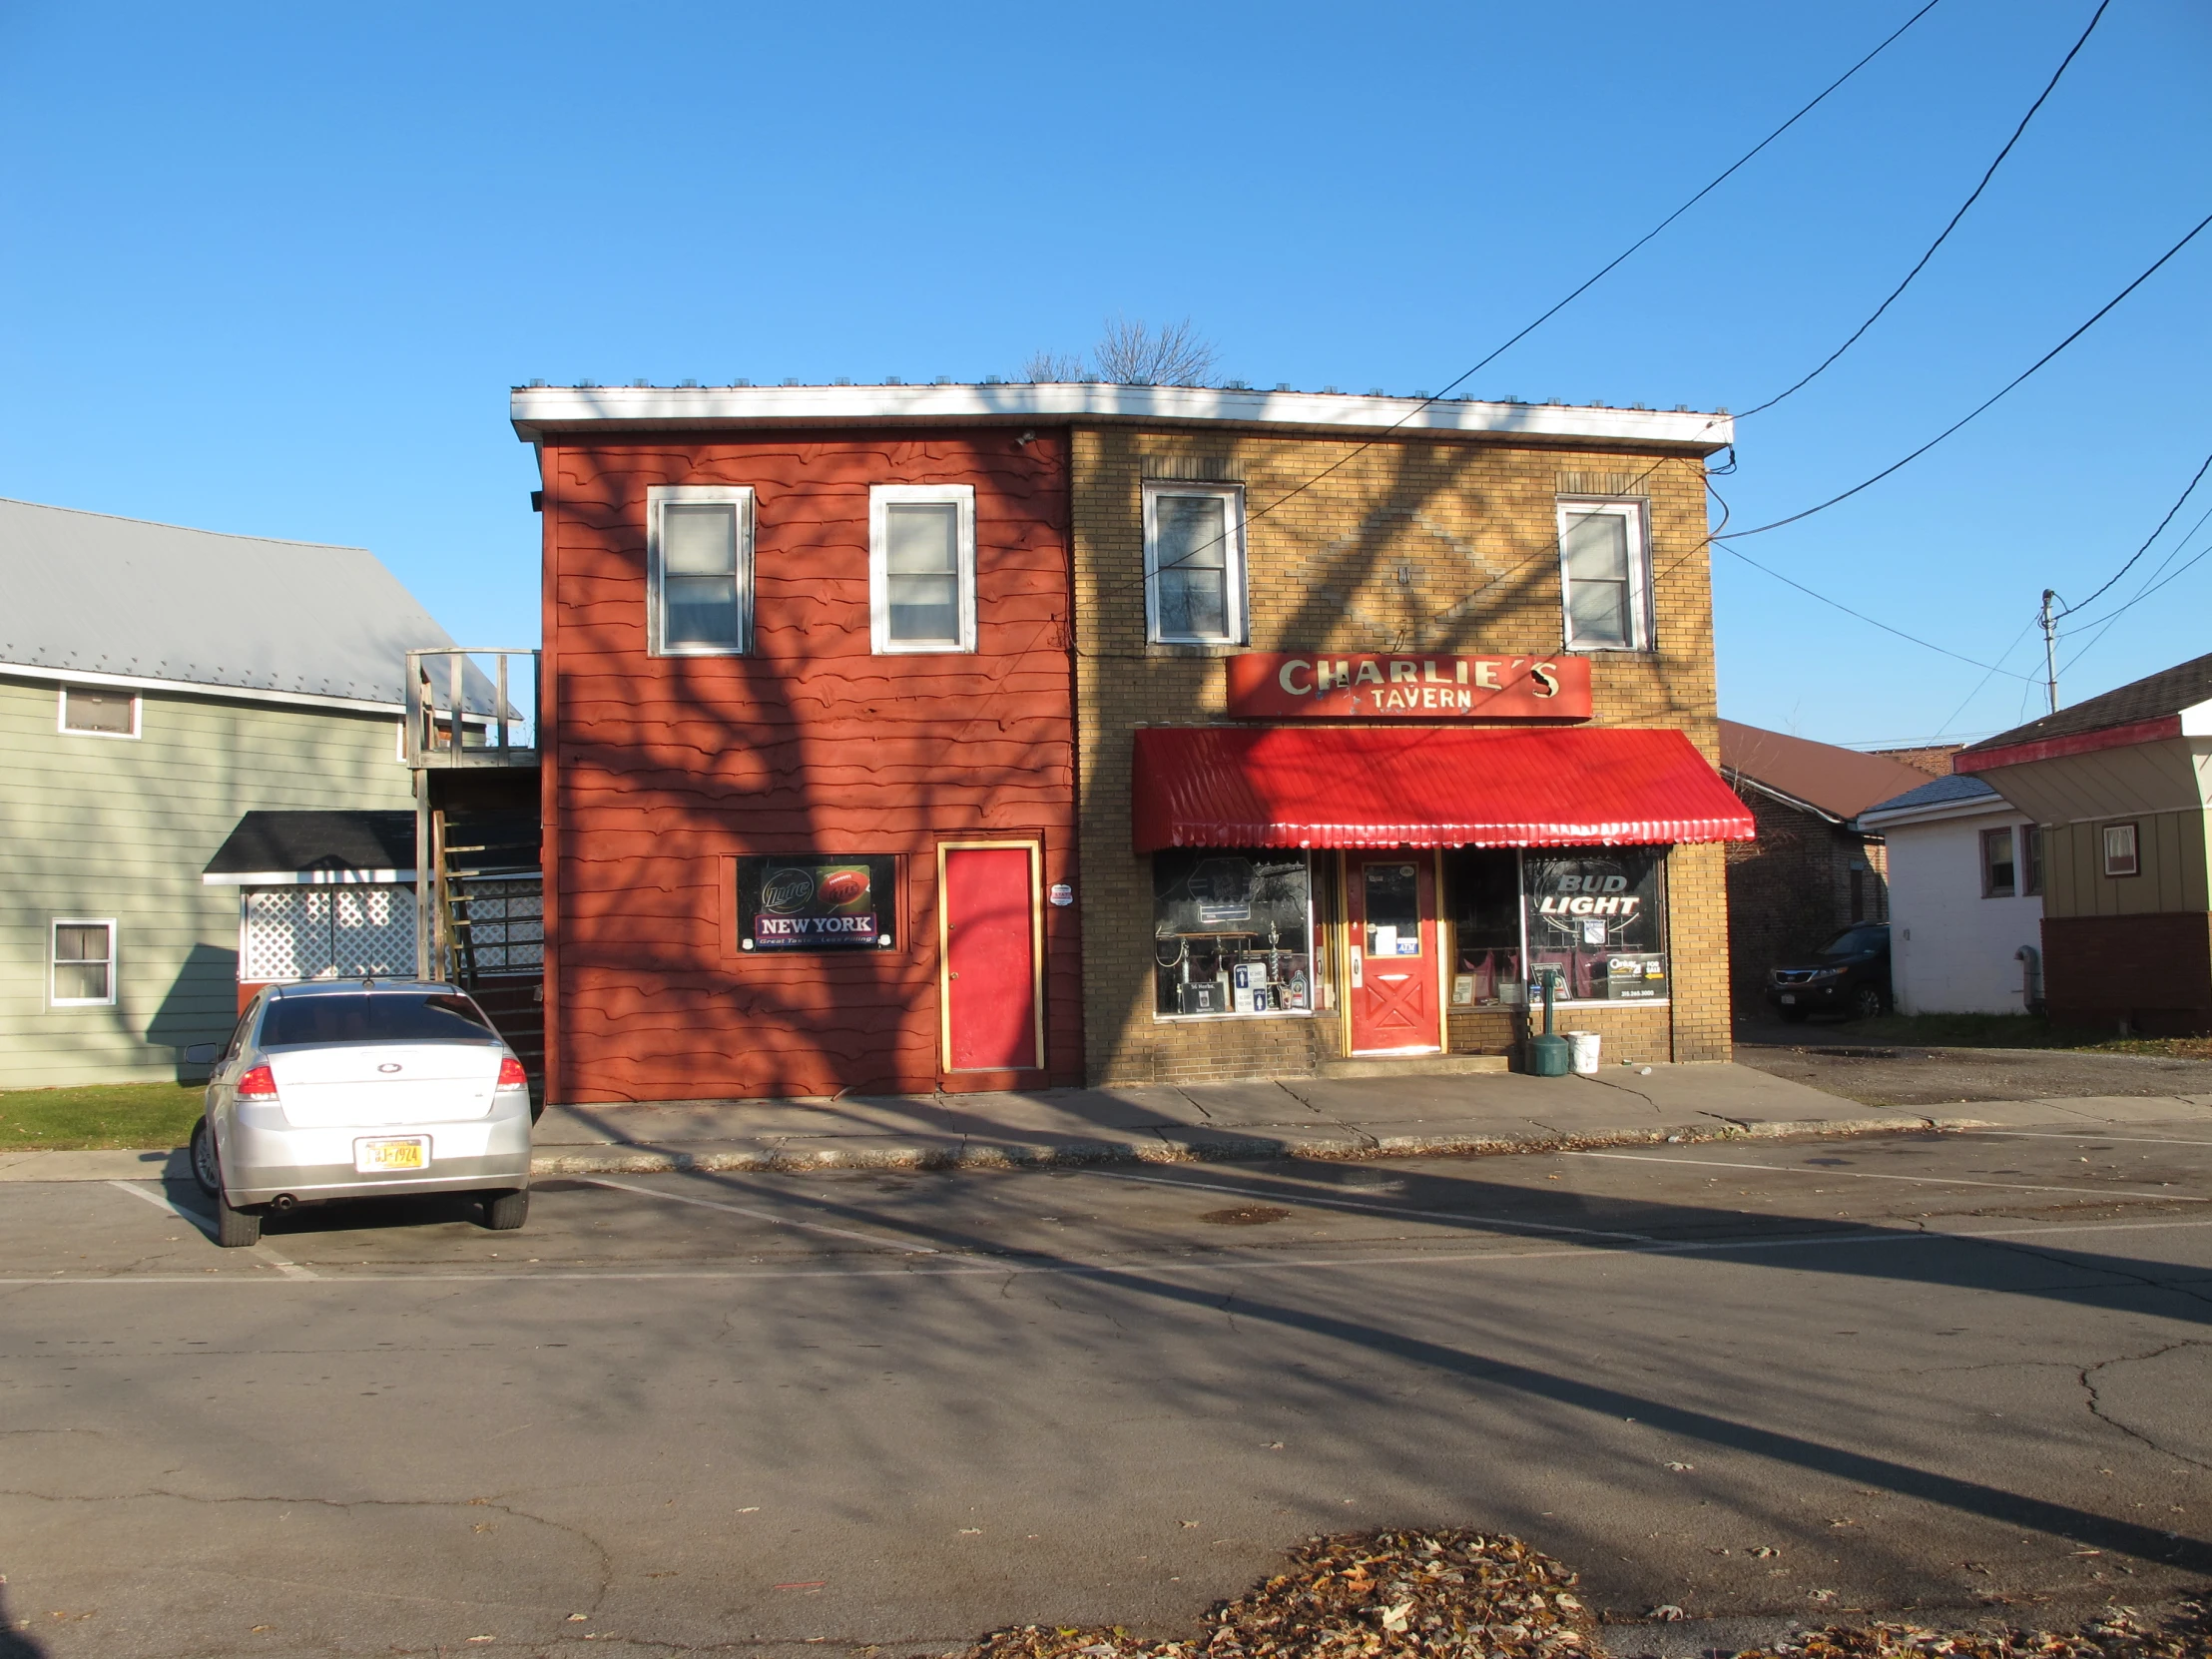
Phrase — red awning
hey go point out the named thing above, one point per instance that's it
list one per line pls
(1376, 786)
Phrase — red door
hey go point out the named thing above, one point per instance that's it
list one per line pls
(991, 960)
(1393, 910)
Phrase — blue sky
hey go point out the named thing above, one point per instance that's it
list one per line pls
(272, 270)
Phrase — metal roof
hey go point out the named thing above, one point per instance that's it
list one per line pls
(104, 596)
(540, 411)
(1955, 790)
(1841, 783)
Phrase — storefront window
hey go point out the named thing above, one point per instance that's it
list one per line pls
(1232, 932)
(1482, 890)
(1598, 923)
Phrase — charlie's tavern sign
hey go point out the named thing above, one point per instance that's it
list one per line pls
(1337, 686)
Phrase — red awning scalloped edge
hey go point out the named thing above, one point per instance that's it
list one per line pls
(1216, 785)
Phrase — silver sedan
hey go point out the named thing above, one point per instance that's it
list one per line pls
(360, 1089)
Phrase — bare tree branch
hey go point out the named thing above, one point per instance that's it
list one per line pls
(1130, 354)
(1044, 366)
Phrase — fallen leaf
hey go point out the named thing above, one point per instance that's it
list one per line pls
(1667, 1612)
(578, 1618)
(1765, 1552)
(1394, 1618)
(1683, 1469)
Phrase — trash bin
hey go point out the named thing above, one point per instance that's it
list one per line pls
(1549, 1056)
(1584, 1044)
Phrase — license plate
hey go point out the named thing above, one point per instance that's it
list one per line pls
(396, 1152)
(1788, 1000)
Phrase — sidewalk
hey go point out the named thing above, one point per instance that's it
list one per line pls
(1405, 1116)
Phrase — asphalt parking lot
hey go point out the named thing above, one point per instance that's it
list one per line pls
(1961, 1373)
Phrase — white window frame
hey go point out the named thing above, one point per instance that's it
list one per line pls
(1234, 564)
(658, 496)
(1640, 627)
(2134, 854)
(61, 711)
(880, 496)
(53, 962)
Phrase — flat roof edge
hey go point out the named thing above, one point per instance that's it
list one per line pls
(538, 412)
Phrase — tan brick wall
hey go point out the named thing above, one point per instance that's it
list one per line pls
(1421, 544)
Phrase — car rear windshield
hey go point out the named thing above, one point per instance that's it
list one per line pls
(1853, 941)
(373, 1017)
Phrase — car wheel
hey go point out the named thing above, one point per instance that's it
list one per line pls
(205, 1170)
(1793, 1016)
(1867, 1002)
(504, 1212)
(235, 1229)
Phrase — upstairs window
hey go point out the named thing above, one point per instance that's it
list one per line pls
(2121, 857)
(699, 570)
(1605, 575)
(922, 567)
(99, 714)
(83, 964)
(1194, 590)
(1997, 863)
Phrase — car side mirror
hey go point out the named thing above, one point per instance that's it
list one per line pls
(202, 1054)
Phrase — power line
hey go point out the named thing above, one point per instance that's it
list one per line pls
(2147, 540)
(1987, 678)
(1988, 402)
(1601, 274)
(1975, 197)
(1872, 622)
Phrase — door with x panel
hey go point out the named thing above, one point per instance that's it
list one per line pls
(1391, 903)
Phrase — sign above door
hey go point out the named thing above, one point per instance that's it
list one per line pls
(1367, 685)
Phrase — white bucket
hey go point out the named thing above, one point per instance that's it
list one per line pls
(1584, 1044)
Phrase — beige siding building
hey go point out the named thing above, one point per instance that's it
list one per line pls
(130, 761)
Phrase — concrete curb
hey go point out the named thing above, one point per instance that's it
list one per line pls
(1180, 1144)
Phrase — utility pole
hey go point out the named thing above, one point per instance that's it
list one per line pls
(2051, 651)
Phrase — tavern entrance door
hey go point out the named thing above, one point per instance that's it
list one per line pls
(1390, 905)
(991, 994)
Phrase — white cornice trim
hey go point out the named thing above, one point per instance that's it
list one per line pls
(1977, 806)
(197, 688)
(539, 410)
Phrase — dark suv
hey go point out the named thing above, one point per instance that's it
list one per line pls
(1847, 975)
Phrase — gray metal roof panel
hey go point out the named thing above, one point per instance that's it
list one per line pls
(102, 595)
(1937, 792)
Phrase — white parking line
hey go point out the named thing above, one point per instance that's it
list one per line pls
(162, 1201)
(1871, 1175)
(1334, 1203)
(955, 1266)
(756, 1215)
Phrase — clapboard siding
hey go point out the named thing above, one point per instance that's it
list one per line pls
(665, 770)
(97, 827)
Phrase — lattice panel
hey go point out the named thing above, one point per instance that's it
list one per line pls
(506, 923)
(289, 934)
(284, 934)
(373, 931)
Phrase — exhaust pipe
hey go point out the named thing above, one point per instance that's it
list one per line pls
(284, 1204)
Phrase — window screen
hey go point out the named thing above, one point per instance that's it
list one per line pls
(699, 575)
(699, 569)
(1193, 563)
(1997, 863)
(922, 570)
(107, 712)
(84, 961)
(1602, 575)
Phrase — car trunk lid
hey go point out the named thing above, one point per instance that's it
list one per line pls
(385, 1083)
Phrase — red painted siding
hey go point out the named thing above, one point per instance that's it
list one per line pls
(665, 770)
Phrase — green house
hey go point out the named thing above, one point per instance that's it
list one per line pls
(157, 685)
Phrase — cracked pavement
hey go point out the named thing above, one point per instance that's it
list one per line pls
(760, 1412)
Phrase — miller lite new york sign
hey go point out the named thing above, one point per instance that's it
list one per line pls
(1367, 683)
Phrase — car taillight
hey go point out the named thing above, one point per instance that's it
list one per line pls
(257, 1084)
(511, 1074)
